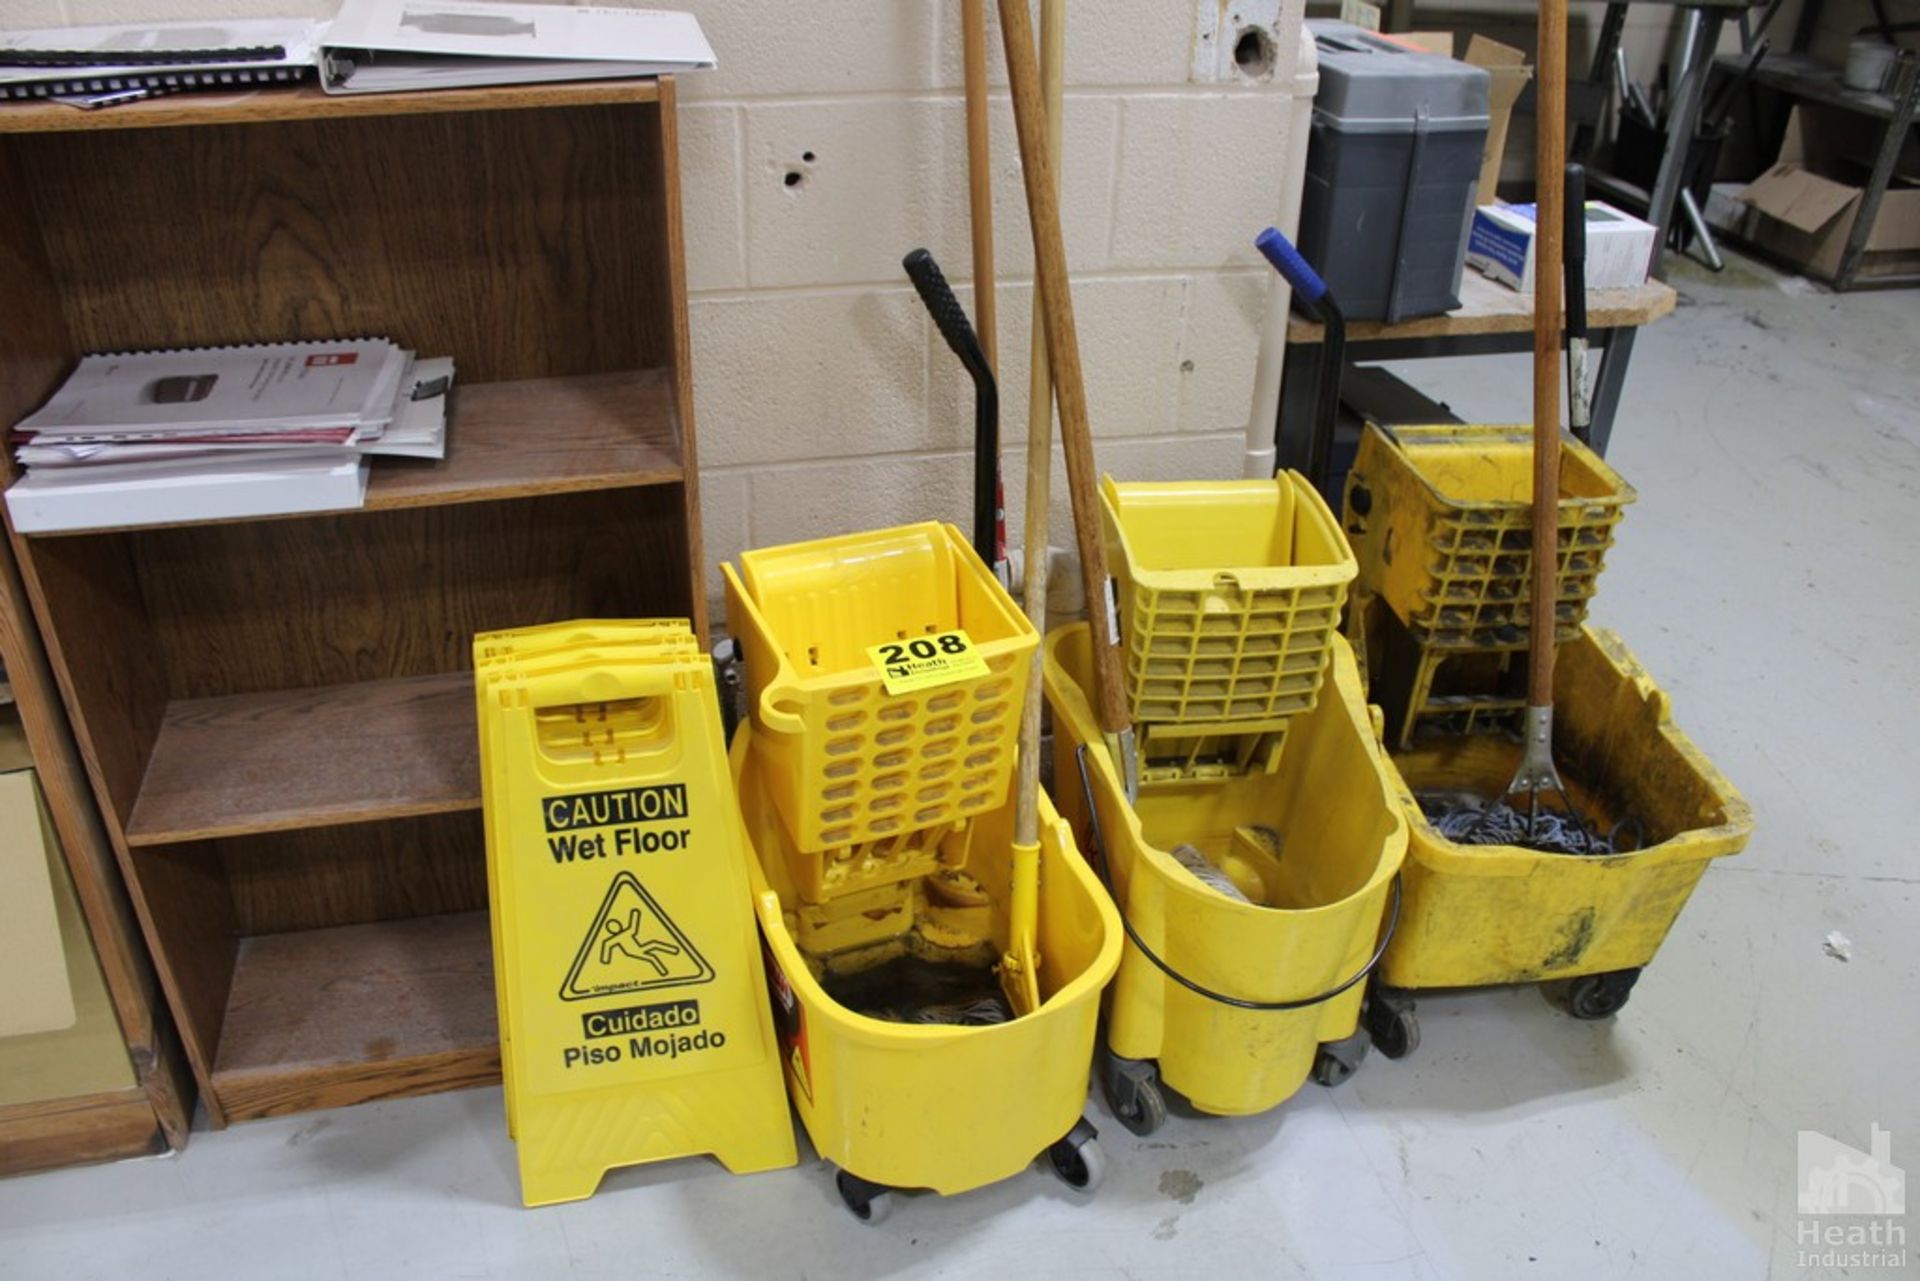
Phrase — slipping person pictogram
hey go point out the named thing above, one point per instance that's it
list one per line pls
(632, 945)
(623, 937)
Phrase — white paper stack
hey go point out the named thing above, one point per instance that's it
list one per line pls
(142, 438)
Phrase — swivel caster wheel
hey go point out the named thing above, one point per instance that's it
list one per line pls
(1598, 996)
(1077, 1160)
(870, 1203)
(1132, 1087)
(1335, 1061)
(1390, 1022)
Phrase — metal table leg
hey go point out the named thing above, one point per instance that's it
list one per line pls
(1683, 121)
(1607, 385)
(1890, 143)
(1600, 75)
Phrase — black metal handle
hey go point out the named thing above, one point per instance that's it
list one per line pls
(1576, 251)
(950, 318)
(948, 315)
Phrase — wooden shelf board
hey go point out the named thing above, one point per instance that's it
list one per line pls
(307, 102)
(1489, 307)
(521, 439)
(301, 758)
(324, 1018)
(110, 1125)
(543, 436)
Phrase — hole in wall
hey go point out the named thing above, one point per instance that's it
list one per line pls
(807, 156)
(1253, 53)
(794, 178)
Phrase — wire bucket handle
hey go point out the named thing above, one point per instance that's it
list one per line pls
(1238, 1003)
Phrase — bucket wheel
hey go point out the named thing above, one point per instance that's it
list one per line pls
(1390, 1021)
(1598, 996)
(870, 1203)
(1132, 1087)
(1077, 1160)
(1335, 1061)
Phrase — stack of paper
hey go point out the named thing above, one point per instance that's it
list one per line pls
(371, 46)
(151, 437)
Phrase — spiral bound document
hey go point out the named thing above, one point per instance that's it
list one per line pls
(159, 57)
(259, 387)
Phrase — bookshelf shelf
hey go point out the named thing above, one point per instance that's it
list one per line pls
(524, 439)
(267, 106)
(289, 759)
(404, 1006)
(276, 715)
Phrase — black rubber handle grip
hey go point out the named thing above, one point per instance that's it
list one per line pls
(948, 316)
(1576, 251)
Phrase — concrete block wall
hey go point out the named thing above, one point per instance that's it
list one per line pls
(831, 141)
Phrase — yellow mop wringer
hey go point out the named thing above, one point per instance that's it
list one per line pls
(635, 1023)
(884, 675)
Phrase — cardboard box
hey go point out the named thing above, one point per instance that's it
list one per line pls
(1808, 201)
(39, 994)
(1619, 246)
(1508, 71)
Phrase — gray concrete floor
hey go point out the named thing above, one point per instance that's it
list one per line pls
(1770, 579)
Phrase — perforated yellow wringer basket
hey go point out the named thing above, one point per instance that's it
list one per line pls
(1230, 593)
(1440, 517)
(844, 761)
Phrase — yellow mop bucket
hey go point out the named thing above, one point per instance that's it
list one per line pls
(1231, 1002)
(1485, 914)
(942, 1107)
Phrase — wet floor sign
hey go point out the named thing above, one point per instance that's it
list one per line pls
(633, 1009)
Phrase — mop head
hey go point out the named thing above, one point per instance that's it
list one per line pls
(1469, 820)
(1207, 874)
(915, 989)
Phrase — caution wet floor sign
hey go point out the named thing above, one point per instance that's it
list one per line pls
(634, 1016)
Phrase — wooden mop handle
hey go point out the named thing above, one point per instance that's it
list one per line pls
(1549, 226)
(973, 27)
(1063, 352)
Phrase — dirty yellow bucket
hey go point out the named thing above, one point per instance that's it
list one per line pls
(939, 1107)
(1486, 914)
(1298, 952)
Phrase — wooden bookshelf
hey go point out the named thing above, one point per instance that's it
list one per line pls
(276, 715)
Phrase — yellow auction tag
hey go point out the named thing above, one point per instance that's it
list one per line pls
(927, 661)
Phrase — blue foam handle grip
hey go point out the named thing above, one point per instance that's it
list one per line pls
(1287, 261)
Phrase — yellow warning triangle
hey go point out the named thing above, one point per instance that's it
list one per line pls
(632, 946)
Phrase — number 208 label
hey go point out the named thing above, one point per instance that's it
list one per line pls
(927, 661)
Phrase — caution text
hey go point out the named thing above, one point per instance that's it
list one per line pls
(607, 809)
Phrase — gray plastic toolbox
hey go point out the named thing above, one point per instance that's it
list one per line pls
(1392, 169)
